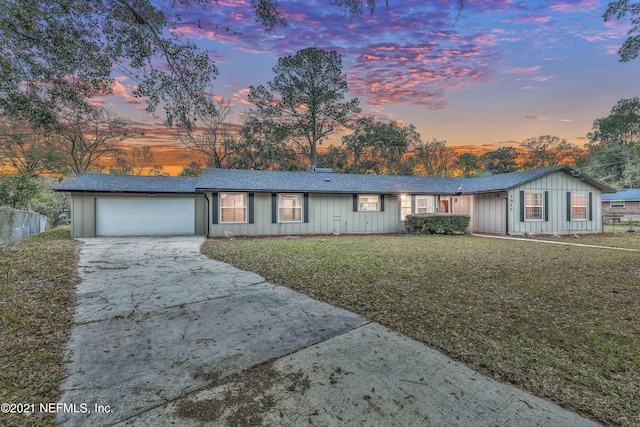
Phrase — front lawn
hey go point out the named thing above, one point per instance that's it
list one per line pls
(559, 321)
(620, 239)
(37, 297)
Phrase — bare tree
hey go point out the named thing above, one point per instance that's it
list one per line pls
(23, 149)
(87, 136)
(138, 160)
(212, 140)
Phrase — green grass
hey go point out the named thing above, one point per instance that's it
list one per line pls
(559, 321)
(37, 297)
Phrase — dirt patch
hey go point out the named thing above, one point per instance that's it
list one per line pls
(244, 398)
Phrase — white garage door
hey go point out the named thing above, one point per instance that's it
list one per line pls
(137, 216)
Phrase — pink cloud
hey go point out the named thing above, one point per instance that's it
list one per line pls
(241, 97)
(543, 78)
(423, 56)
(118, 89)
(406, 53)
(533, 117)
(521, 70)
(613, 49)
(576, 6)
(538, 19)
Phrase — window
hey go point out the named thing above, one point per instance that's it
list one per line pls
(416, 204)
(233, 207)
(405, 206)
(578, 206)
(533, 207)
(616, 204)
(424, 204)
(368, 202)
(290, 207)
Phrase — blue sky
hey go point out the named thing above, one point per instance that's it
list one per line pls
(500, 72)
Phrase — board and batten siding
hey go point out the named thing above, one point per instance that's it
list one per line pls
(327, 213)
(83, 215)
(83, 211)
(557, 185)
(489, 213)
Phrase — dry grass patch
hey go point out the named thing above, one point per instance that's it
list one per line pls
(560, 321)
(37, 298)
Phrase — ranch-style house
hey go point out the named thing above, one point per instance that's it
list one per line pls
(222, 202)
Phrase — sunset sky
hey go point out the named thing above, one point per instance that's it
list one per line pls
(503, 72)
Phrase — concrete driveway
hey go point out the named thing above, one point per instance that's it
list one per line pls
(165, 336)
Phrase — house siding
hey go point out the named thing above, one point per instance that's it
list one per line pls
(327, 213)
(557, 185)
(83, 211)
(489, 213)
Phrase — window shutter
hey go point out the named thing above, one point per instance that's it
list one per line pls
(546, 206)
(251, 197)
(382, 203)
(414, 208)
(568, 205)
(521, 206)
(274, 208)
(355, 203)
(214, 208)
(305, 207)
(590, 206)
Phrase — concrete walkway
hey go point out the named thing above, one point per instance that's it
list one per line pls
(165, 336)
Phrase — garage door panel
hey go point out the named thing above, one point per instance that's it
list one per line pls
(131, 216)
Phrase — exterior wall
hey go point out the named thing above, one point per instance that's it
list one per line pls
(489, 213)
(462, 205)
(83, 215)
(557, 185)
(328, 213)
(83, 211)
(631, 207)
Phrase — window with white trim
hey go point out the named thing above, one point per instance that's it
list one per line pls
(533, 207)
(368, 202)
(289, 207)
(405, 206)
(233, 207)
(578, 206)
(424, 204)
(616, 204)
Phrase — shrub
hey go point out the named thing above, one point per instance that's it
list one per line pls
(437, 223)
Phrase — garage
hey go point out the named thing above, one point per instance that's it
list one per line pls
(138, 216)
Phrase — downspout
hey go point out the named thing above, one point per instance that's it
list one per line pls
(506, 216)
(208, 214)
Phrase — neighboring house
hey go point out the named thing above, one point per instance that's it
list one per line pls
(621, 203)
(242, 202)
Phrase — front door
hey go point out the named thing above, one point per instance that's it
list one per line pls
(445, 205)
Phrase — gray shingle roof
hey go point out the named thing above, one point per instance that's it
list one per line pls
(277, 181)
(633, 194)
(130, 184)
(312, 182)
(508, 181)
